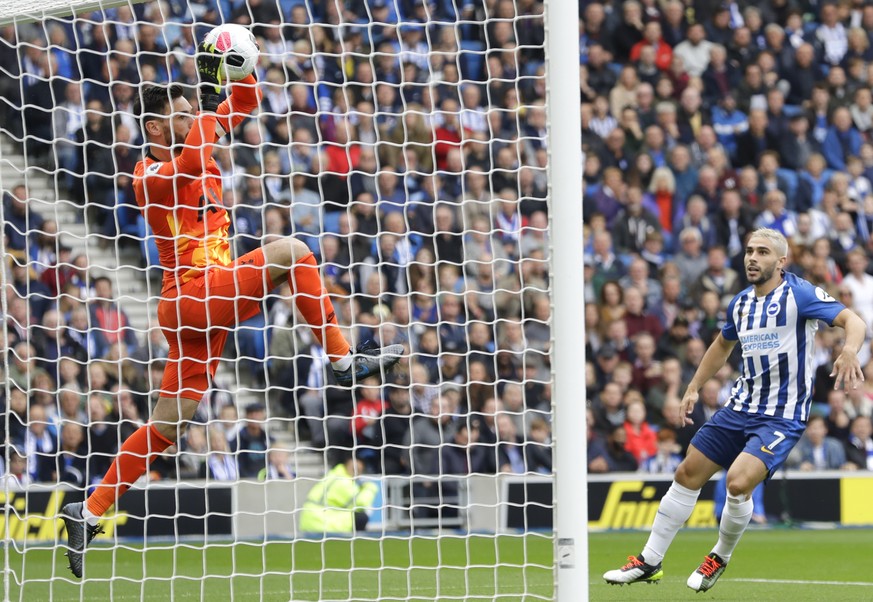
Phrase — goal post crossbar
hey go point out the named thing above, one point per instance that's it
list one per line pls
(18, 12)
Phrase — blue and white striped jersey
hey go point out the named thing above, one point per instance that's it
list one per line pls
(777, 337)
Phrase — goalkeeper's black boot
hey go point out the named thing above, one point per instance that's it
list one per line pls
(79, 535)
(635, 571)
(369, 360)
(707, 573)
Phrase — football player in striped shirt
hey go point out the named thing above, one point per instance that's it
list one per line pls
(774, 321)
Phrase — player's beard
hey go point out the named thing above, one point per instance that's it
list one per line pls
(764, 274)
(175, 142)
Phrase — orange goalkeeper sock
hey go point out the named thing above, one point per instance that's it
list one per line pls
(132, 461)
(313, 302)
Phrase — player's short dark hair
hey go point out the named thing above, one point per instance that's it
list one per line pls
(154, 99)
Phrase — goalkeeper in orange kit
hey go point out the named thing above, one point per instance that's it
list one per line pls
(205, 292)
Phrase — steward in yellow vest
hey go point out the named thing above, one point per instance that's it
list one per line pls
(338, 504)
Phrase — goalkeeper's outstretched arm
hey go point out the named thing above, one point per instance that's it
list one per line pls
(243, 99)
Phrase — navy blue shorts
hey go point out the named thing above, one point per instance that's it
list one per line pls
(729, 433)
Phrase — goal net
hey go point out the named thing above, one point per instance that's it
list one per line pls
(404, 142)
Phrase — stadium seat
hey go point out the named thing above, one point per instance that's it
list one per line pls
(472, 59)
(331, 222)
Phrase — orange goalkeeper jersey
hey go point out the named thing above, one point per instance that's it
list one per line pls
(186, 216)
(182, 199)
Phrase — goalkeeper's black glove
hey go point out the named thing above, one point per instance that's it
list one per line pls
(209, 64)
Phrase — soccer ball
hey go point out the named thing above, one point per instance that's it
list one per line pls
(240, 49)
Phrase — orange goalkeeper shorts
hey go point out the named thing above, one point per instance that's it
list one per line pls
(197, 316)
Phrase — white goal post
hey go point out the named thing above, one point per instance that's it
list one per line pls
(568, 299)
(18, 11)
(429, 155)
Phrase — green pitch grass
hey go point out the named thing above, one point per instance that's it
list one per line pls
(452, 568)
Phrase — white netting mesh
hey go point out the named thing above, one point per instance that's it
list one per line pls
(404, 142)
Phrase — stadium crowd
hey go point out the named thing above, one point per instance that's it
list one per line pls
(406, 143)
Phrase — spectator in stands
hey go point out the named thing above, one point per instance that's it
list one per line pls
(640, 439)
(26, 286)
(860, 400)
(252, 442)
(601, 78)
(732, 223)
(797, 146)
(638, 276)
(754, 141)
(102, 435)
(832, 35)
(72, 463)
(23, 368)
(365, 421)
(667, 308)
(16, 478)
(279, 466)
(729, 123)
(85, 343)
(21, 221)
(690, 260)
(538, 449)
(70, 408)
(221, 463)
(618, 458)
(837, 418)
(462, 456)
(17, 319)
(718, 278)
(669, 385)
(429, 431)
(396, 429)
(96, 164)
(859, 448)
(628, 32)
(776, 215)
(193, 450)
(70, 374)
(667, 458)
(39, 445)
(694, 50)
(817, 451)
(802, 75)
(647, 371)
(636, 318)
(608, 409)
(510, 446)
(709, 401)
(56, 274)
(16, 406)
(862, 107)
(128, 412)
(634, 223)
(107, 315)
(842, 140)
